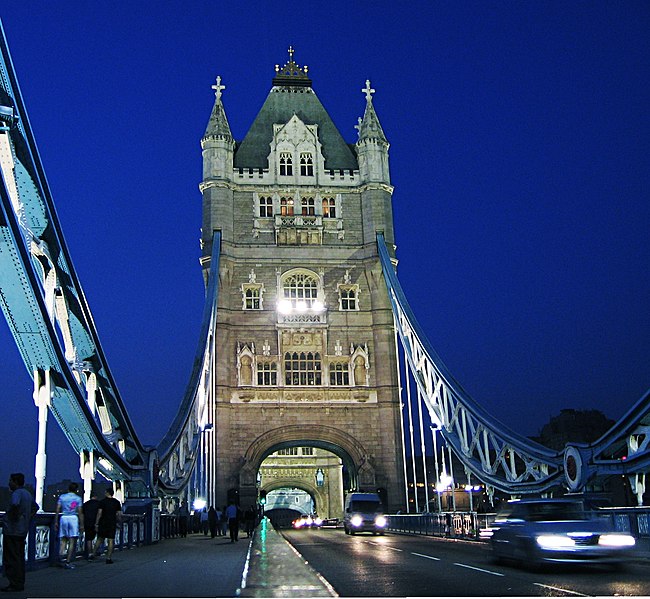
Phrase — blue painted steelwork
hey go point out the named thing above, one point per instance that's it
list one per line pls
(52, 325)
(498, 456)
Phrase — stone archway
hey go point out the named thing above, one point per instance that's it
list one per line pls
(347, 448)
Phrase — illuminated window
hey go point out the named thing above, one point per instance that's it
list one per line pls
(267, 374)
(306, 164)
(286, 164)
(339, 374)
(302, 368)
(307, 450)
(308, 208)
(300, 287)
(329, 208)
(286, 206)
(265, 207)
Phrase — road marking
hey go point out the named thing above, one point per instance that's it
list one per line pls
(478, 569)
(547, 586)
(427, 556)
(382, 545)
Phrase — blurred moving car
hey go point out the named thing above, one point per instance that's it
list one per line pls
(534, 531)
(311, 521)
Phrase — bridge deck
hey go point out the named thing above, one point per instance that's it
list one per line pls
(195, 566)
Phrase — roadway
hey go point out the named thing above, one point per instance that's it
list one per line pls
(399, 566)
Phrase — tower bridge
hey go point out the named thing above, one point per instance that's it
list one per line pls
(307, 338)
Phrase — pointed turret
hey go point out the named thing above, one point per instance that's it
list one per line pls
(218, 148)
(217, 143)
(372, 145)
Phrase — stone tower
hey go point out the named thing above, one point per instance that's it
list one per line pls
(305, 340)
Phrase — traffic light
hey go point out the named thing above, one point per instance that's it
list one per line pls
(262, 497)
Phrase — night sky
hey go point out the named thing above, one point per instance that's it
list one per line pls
(520, 155)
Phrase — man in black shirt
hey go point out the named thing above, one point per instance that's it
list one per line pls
(109, 515)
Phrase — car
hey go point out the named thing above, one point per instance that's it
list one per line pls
(364, 513)
(537, 531)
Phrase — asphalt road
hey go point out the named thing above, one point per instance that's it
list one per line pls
(406, 566)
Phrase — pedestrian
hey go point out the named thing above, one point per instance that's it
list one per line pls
(212, 522)
(69, 522)
(219, 519)
(90, 509)
(109, 515)
(232, 513)
(204, 521)
(16, 526)
(223, 522)
(249, 521)
(183, 516)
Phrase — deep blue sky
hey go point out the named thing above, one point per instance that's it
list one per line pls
(520, 155)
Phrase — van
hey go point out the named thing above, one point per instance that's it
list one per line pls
(364, 513)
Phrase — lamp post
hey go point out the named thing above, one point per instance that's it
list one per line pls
(434, 434)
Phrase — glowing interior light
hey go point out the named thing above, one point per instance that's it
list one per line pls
(284, 306)
(317, 306)
(199, 504)
(301, 306)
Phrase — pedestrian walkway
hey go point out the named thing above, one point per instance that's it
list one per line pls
(194, 566)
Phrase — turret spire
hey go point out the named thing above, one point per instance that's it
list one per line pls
(218, 125)
(369, 127)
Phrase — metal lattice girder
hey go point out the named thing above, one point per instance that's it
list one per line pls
(496, 455)
(179, 448)
(45, 306)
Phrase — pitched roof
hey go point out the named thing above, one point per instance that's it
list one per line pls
(281, 104)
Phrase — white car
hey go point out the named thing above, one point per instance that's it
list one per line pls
(534, 531)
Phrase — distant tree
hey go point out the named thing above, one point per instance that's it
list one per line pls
(573, 426)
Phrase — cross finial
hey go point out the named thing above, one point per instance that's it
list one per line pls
(218, 88)
(368, 91)
(291, 51)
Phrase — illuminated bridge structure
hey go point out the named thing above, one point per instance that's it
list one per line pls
(51, 322)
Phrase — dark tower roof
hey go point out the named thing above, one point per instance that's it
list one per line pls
(292, 94)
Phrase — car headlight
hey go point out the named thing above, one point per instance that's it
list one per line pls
(616, 540)
(381, 521)
(318, 521)
(356, 520)
(554, 541)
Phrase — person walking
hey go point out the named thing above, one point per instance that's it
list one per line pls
(109, 515)
(223, 522)
(16, 526)
(90, 509)
(183, 517)
(232, 513)
(212, 522)
(203, 521)
(69, 522)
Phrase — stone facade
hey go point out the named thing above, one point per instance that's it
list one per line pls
(305, 340)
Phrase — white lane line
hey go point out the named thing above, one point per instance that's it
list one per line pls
(437, 559)
(384, 546)
(478, 569)
(547, 586)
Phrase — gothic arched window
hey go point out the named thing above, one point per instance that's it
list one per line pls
(302, 368)
(306, 164)
(286, 206)
(300, 287)
(286, 164)
(308, 208)
(329, 208)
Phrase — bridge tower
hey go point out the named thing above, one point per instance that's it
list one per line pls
(305, 342)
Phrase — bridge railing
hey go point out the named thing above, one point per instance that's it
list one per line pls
(43, 543)
(469, 525)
